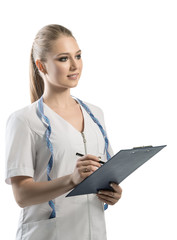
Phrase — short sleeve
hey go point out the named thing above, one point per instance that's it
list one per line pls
(20, 149)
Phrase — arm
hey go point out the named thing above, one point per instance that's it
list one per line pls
(28, 192)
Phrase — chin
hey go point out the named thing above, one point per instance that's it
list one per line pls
(74, 84)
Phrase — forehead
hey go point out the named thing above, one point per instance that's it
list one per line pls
(64, 44)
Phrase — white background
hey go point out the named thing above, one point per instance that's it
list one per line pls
(130, 58)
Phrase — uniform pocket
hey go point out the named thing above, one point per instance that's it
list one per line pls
(40, 230)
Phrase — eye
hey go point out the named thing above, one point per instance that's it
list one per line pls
(63, 59)
(78, 56)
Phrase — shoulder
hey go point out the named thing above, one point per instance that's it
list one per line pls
(25, 117)
(24, 114)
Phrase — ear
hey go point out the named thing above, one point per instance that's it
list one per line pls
(40, 66)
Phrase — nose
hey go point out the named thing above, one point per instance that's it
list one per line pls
(73, 65)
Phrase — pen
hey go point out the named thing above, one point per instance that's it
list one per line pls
(81, 155)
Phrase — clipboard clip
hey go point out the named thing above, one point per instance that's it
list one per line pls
(143, 147)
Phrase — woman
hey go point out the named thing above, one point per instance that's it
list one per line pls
(42, 140)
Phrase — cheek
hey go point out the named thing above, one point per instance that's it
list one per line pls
(60, 70)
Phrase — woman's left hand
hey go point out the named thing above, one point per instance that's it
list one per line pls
(110, 197)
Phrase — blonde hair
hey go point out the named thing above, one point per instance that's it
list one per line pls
(41, 46)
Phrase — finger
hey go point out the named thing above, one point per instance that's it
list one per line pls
(84, 175)
(116, 188)
(88, 162)
(90, 157)
(106, 193)
(89, 168)
(109, 194)
(108, 200)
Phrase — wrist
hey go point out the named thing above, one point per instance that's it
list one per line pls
(72, 184)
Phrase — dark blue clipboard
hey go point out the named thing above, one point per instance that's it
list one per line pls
(120, 166)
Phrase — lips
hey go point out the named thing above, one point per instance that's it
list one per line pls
(73, 75)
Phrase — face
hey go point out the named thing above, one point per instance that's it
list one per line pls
(64, 63)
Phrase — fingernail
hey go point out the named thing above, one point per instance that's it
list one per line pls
(99, 192)
(111, 184)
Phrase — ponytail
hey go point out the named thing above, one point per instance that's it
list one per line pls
(36, 81)
(41, 46)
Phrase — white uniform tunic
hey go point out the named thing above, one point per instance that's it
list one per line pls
(77, 218)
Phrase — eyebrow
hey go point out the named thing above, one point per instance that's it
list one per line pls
(67, 53)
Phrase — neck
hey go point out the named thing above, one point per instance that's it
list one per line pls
(59, 99)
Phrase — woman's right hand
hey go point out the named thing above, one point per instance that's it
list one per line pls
(85, 166)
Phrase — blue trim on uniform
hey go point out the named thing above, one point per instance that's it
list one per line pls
(48, 131)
